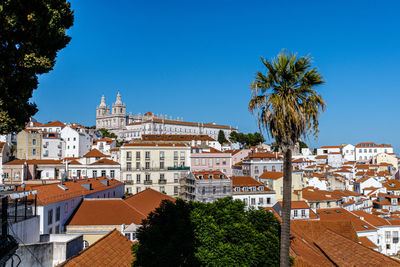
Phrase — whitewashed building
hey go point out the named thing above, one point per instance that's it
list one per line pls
(349, 153)
(77, 141)
(365, 151)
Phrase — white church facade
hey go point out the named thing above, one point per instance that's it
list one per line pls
(129, 127)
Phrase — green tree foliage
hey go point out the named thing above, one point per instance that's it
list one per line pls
(221, 137)
(247, 140)
(222, 233)
(166, 237)
(31, 34)
(228, 235)
(302, 145)
(287, 106)
(106, 133)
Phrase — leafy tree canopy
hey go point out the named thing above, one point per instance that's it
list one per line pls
(302, 145)
(247, 140)
(222, 233)
(221, 137)
(31, 34)
(106, 133)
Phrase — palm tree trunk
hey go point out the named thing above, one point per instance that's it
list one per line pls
(287, 200)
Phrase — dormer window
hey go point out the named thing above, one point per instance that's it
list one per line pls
(210, 176)
(200, 177)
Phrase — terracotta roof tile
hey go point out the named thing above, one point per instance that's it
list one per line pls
(176, 137)
(54, 124)
(94, 153)
(113, 249)
(147, 200)
(271, 175)
(154, 144)
(199, 175)
(105, 162)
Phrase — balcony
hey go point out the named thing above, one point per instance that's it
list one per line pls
(148, 182)
(162, 181)
(128, 182)
(179, 168)
(395, 240)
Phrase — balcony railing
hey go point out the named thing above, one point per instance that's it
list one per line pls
(181, 168)
(128, 182)
(162, 181)
(148, 182)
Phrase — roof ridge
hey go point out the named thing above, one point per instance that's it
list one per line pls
(133, 208)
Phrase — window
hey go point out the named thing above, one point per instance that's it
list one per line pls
(175, 190)
(224, 162)
(50, 216)
(57, 229)
(224, 189)
(203, 162)
(128, 155)
(162, 189)
(147, 154)
(214, 190)
(137, 165)
(161, 155)
(162, 165)
(217, 161)
(387, 236)
(128, 235)
(34, 151)
(138, 178)
(138, 155)
(176, 175)
(85, 244)
(328, 204)
(74, 138)
(94, 173)
(162, 176)
(50, 230)
(103, 173)
(128, 166)
(112, 174)
(138, 189)
(58, 211)
(260, 201)
(268, 200)
(303, 213)
(387, 246)
(196, 162)
(203, 190)
(294, 213)
(317, 205)
(175, 164)
(129, 177)
(182, 154)
(147, 177)
(253, 201)
(395, 237)
(175, 155)
(34, 142)
(147, 165)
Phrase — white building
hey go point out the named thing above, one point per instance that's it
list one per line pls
(94, 164)
(53, 146)
(335, 159)
(325, 150)
(365, 151)
(104, 145)
(130, 127)
(77, 141)
(253, 193)
(348, 152)
(5, 154)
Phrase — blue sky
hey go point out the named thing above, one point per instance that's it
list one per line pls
(196, 59)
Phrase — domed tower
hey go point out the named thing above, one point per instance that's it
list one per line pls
(118, 112)
(101, 112)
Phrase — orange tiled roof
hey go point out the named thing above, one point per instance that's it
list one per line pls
(370, 144)
(154, 144)
(1, 146)
(94, 153)
(148, 200)
(52, 193)
(392, 184)
(105, 139)
(113, 249)
(271, 175)
(106, 212)
(372, 219)
(321, 157)
(366, 242)
(74, 162)
(331, 147)
(340, 214)
(54, 124)
(209, 175)
(314, 194)
(105, 162)
(265, 155)
(34, 161)
(176, 137)
(299, 204)
(243, 181)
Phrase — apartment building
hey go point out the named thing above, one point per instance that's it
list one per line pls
(210, 159)
(29, 144)
(153, 165)
(78, 141)
(365, 151)
(205, 186)
(255, 164)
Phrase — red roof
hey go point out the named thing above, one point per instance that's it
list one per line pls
(113, 249)
(148, 200)
(271, 175)
(155, 144)
(266, 155)
(199, 175)
(94, 153)
(105, 162)
(54, 124)
(106, 212)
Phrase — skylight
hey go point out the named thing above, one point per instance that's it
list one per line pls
(366, 226)
(338, 211)
(327, 212)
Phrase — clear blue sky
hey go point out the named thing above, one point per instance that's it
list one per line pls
(196, 59)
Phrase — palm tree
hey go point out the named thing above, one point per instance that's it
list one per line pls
(287, 106)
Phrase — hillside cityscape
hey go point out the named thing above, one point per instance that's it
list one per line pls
(199, 133)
